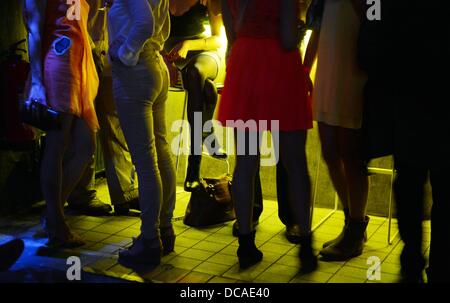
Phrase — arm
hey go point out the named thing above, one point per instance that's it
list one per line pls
(227, 19)
(207, 44)
(289, 22)
(311, 50)
(35, 16)
(215, 7)
(142, 29)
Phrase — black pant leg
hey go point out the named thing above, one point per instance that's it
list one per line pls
(409, 193)
(439, 266)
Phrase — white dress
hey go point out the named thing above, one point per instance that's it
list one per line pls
(339, 83)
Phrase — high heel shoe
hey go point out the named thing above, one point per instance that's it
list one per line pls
(192, 181)
(213, 147)
(247, 252)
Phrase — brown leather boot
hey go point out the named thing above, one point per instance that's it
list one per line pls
(350, 245)
(339, 237)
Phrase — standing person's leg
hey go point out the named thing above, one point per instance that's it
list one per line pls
(57, 180)
(136, 89)
(409, 194)
(356, 175)
(331, 154)
(352, 241)
(282, 195)
(298, 184)
(293, 158)
(284, 211)
(257, 204)
(84, 197)
(439, 266)
(83, 141)
(243, 194)
(166, 167)
(120, 172)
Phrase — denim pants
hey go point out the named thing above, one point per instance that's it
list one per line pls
(140, 94)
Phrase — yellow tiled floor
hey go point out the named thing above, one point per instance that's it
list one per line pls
(209, 254)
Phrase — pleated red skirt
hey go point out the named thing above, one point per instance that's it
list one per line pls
(265, 83)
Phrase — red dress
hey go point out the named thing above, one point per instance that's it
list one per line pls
(263, 81)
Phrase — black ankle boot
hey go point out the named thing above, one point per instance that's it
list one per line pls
(192, 180)
(308, 259)
(339, 237)
(168, 239)
(350, 245)
(212, 145)
(247, 252)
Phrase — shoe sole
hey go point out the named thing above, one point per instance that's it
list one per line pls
(339, 258)
(136, 262)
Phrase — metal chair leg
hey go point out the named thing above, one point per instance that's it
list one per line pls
(336, 199)
(391, 238)
(181, 130)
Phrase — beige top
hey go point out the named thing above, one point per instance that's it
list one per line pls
(339, 83)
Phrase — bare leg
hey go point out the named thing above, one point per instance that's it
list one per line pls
(243, 186)
(59, 178)
(293, 159)
(355, 172)
(330, 152)
(84, 144)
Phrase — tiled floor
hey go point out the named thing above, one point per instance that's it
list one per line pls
(209, 254)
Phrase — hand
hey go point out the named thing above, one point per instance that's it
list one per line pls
(114, 48)
(173, 70)
(309, 85)
(179, 51)
(38, 93)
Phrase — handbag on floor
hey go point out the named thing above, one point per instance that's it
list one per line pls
(210, 203)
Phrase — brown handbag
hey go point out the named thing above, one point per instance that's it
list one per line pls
(210, 203)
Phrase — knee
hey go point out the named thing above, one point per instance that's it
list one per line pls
(86, 149)
(192, 76)
(330, 155)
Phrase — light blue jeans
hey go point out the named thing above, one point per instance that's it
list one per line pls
(140, 93)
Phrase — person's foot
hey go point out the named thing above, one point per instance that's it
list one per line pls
(10, 252)
(351, 245)
(192, 181)
(247, 252)
(71, 240)
(168, 239)
(308, 259)
(123, 209)
(211, 147)
(236, 228)
(142, 252)
(293, 234)
(191, 185)
(95, 207)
